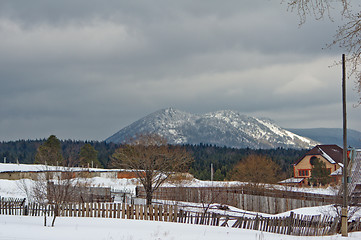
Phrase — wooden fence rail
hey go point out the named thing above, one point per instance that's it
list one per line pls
(249, 198)
(295, 224)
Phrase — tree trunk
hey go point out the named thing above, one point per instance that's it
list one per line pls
(149, 197)
(148, 188)
(45, 212)
(52, 223)
(56, 213)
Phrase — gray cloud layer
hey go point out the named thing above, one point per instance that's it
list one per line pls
(85, 69)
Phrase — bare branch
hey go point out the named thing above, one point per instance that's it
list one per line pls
(151, 160)
(348, 34)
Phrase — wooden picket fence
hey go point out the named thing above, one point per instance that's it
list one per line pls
(249, 198)
(295, 224)
(12, 206)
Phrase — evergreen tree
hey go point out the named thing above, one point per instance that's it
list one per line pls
(319, 173)
(89, 156)
(50, 152)
(218, 176)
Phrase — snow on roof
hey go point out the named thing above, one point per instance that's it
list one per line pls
(326, 156)
(12, 167)
(291, 180)
(337, 172)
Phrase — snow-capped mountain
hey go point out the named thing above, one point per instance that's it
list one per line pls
(221, 128)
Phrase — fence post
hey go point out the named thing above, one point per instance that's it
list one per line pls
(256, 223)
(160, 208)
(334, 225)
(25, 210)
(156, 213)
(136, 211)
(151, 212)
(118, 209)
(166, 213)
(180, 216)
(175, 214)
(290, 224)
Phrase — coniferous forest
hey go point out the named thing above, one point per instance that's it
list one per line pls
(223, 159)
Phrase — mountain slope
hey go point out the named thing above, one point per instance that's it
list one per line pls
(221, 128)
(331, 136)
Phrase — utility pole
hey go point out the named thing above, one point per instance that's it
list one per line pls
(212, 173)
(344, 172)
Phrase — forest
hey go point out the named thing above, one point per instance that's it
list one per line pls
(223, 159)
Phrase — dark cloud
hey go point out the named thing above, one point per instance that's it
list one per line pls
(85, 69)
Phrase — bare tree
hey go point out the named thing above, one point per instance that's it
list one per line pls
(151, 160)
(25, 187)
(348, 34)
(54, 187)
(71, 155)
(336, 210)
(256, 169)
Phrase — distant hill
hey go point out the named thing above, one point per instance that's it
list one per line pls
(221, 128)
(330, 136)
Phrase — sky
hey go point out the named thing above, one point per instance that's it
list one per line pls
(85, 69)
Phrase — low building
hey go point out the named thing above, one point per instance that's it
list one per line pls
(292, 182)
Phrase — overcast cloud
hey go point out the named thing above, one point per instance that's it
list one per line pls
(85, 69)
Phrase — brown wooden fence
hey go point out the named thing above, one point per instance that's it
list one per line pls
(249, 198)
(294, 224)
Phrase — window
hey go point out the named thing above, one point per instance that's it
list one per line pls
(303, 172)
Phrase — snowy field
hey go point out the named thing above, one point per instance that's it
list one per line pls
(31, 228)
(11, 188)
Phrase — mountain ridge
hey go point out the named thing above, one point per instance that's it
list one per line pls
(330, 135)
(221, 128)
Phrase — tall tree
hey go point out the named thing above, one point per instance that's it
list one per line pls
(151, 160)
(88, 156)
(50, 152)
(348, 33)
(256, 169)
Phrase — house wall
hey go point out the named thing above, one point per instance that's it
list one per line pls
(83, 174)
(18, 175)
(127, 174)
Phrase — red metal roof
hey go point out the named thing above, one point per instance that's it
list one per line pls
(329, 152)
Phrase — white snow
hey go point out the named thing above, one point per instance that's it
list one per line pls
(281, 132)
(325, 155)
(28, 227)
(233, 128)
(12, 167)
(31, 228)
(292, 180)
(10, 188)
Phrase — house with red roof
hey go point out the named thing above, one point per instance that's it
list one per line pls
(331, 155)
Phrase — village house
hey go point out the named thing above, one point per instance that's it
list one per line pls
(331, 155)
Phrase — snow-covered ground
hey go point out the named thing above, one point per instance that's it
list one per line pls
(13, 188)
(31, 228)
(27, 227)
(9, 188)
(8, 167)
